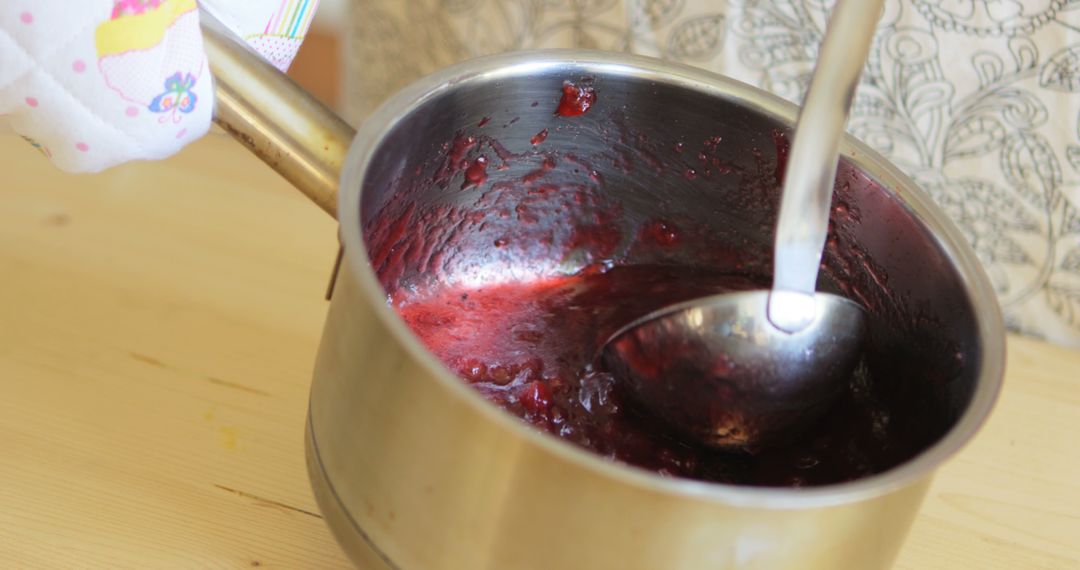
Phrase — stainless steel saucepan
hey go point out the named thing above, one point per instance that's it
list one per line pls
(415, 471)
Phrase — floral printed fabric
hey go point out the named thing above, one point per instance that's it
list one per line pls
(95, 83)
(978, 100)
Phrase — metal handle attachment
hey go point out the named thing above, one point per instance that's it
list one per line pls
(299, 137)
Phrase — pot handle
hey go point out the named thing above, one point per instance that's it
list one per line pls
(286, 127)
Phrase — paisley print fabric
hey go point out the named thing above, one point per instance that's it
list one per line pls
(977, 100)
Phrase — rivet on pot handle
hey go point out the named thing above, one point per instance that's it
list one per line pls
(291, 131)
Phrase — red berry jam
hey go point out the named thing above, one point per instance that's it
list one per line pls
(576, 100)
(477, 267)
(528, 347)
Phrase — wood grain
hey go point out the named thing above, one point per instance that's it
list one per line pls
(1011, 499)
(158, 331)
(158, 325)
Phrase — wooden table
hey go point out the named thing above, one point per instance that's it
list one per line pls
(158, 325)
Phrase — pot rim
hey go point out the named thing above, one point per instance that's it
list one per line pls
(988, 316)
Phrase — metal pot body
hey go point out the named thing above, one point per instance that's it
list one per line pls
(415, 471)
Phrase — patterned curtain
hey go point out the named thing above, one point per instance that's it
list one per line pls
(975, 99)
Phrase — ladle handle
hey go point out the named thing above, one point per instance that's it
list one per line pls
(299, 137)
(811, 169)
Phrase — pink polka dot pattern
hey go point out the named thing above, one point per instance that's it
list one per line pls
(31, 101)
(26, 18)
(132, 111)
(79, 66)
(82, 147)
(279, 50)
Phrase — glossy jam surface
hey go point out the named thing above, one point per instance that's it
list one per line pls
(513, 267)
(527, 347)
(576, 100)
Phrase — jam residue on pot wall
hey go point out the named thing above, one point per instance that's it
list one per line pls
(516, 290)
(576, 100)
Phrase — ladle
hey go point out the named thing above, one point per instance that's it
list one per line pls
(744, 370)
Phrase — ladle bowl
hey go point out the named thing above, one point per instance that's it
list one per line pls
(761, 383)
